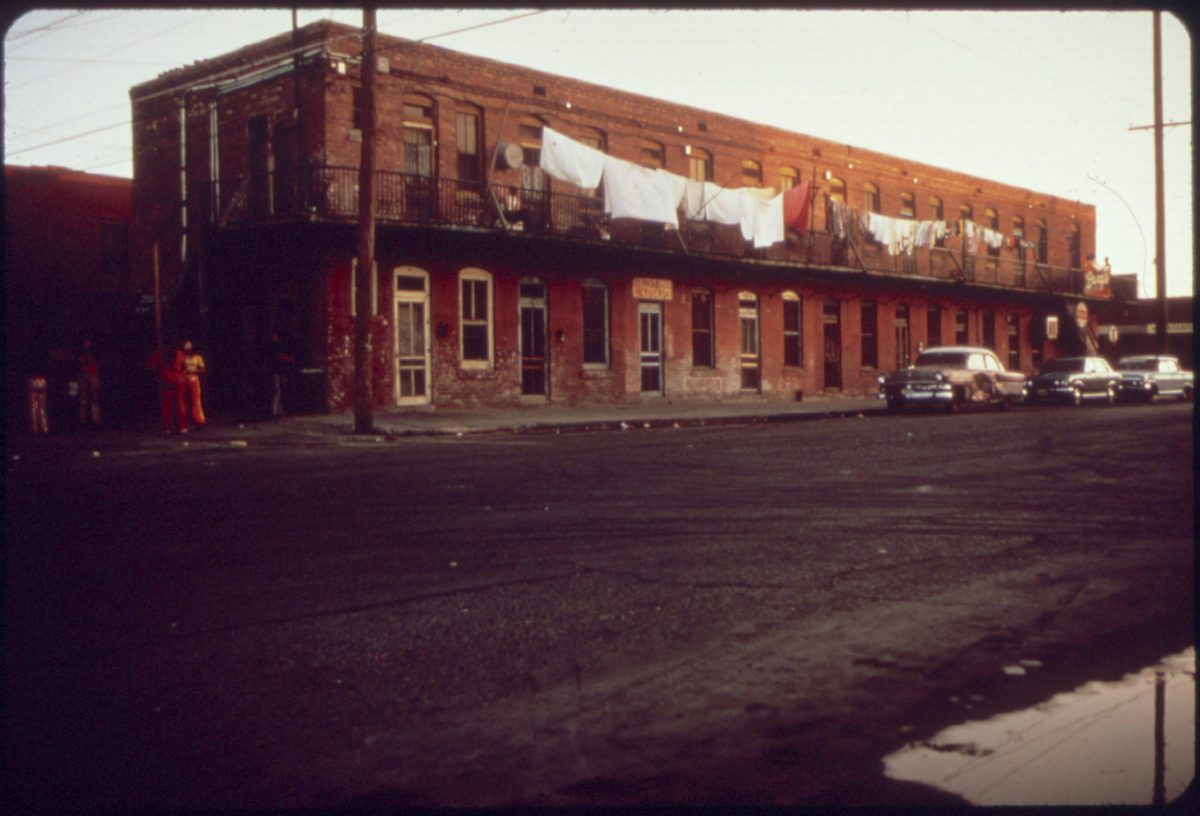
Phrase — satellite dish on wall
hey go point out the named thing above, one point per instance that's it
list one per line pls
(511, 156)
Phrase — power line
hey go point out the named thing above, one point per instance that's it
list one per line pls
(70, 138)
(44, 28)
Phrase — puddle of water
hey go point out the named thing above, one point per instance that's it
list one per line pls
(1096, 745)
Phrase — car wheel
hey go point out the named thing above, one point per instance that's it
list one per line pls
(1077, 395)
(1187, 393)
(894, 405)
(1112, 394)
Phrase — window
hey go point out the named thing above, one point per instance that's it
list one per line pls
(529, 136)
(960, 327)
(966, 213)
(1073, 252)
(748, 317)
(752, 174)
(870, 347)
(475, 317)
(595, 139)
(789, 177)
(991, 220)
(651, 154)
(870, 197)
(418, 135)
(1013, 326)
(466, 130)
(902, 337)
(793, 329)
(702, 329)
(908, 206)
(595, 323)
(933, 326)
(988, 318)
(937, 212)
(837, 189)
(700, 166)
(1043, 241)
(357, 108)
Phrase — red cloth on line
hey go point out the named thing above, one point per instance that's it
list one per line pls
(796, 203)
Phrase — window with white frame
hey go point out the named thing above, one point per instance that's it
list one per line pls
(475, 317)
(793, 329)
(595, 323)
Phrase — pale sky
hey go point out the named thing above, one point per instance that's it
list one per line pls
(1042, 100)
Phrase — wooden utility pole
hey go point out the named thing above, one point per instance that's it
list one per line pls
(1160, 230)
(363, 357)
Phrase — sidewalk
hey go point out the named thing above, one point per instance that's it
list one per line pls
(393, 423)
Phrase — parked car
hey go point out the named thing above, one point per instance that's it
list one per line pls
(952, 377)
(1146, 376)
(1074, 380)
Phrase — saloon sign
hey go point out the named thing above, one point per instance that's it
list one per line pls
(652, 289)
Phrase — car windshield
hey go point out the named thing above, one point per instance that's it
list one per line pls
(942, 359)
(1064, 364)
(1138, 365)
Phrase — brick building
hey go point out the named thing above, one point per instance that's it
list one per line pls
(497, 282)
(67, 275)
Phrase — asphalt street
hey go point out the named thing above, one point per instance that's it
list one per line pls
(733, 615)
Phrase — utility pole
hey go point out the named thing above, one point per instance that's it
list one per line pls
(363, 358)
(1160, 231)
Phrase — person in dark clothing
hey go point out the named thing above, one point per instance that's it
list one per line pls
(280, 363)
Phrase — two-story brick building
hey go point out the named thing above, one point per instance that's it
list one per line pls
(498, 282)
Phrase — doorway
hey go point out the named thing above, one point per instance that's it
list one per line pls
(412, 336)
(651, 346)
(831, 319)
(751, 363)
(534, 362)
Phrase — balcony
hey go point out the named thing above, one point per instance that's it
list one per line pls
(327, 193)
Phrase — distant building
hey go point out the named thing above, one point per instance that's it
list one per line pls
(499, 282)
(1135, 327)
(67, 272)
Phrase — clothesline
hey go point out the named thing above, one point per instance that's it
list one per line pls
(656, 195)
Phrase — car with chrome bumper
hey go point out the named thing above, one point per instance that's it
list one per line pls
(952, 377)
(1073, 380)
(1146, 376)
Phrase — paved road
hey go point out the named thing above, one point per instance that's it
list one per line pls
(731, 615)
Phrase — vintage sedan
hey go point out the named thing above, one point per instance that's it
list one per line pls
(1073, 380)
(952, 377)
(1146, 376)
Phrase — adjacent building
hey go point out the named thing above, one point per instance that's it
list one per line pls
(499, 283)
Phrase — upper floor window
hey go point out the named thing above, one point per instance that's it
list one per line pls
(700, 165)
(991, 220)
(357, 108)
(418, 135)
(937, 212)
(789, 177)
(1042, 237)
(837, 189)
(467, 137)
(475, 317)
(652, 154)
(870, 197)
(908, 205)
(529, 136)
(594, 138)
(752, 174)
(965, 212)
(1073, 251)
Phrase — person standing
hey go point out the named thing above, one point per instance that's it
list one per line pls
(89, 385)
(280, 362)
(193, 367)
(169, 370)
(39, 422)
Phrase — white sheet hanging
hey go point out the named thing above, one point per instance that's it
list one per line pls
(567, 160)
(633, 191)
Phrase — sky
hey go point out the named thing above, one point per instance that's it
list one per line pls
(1045, 100)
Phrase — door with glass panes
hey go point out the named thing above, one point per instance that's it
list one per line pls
(411, 336)
(650, 344)
(534, 361)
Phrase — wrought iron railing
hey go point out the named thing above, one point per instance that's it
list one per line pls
(331, 193)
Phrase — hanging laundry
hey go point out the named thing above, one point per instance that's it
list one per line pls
(906, 235)
(992, 238)
(721, 205)
(839, 217)
(764, 193)
(693, 203)
(567, 160)
(796, 203)
(676, 184)
(761, 221)
(633, 191)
